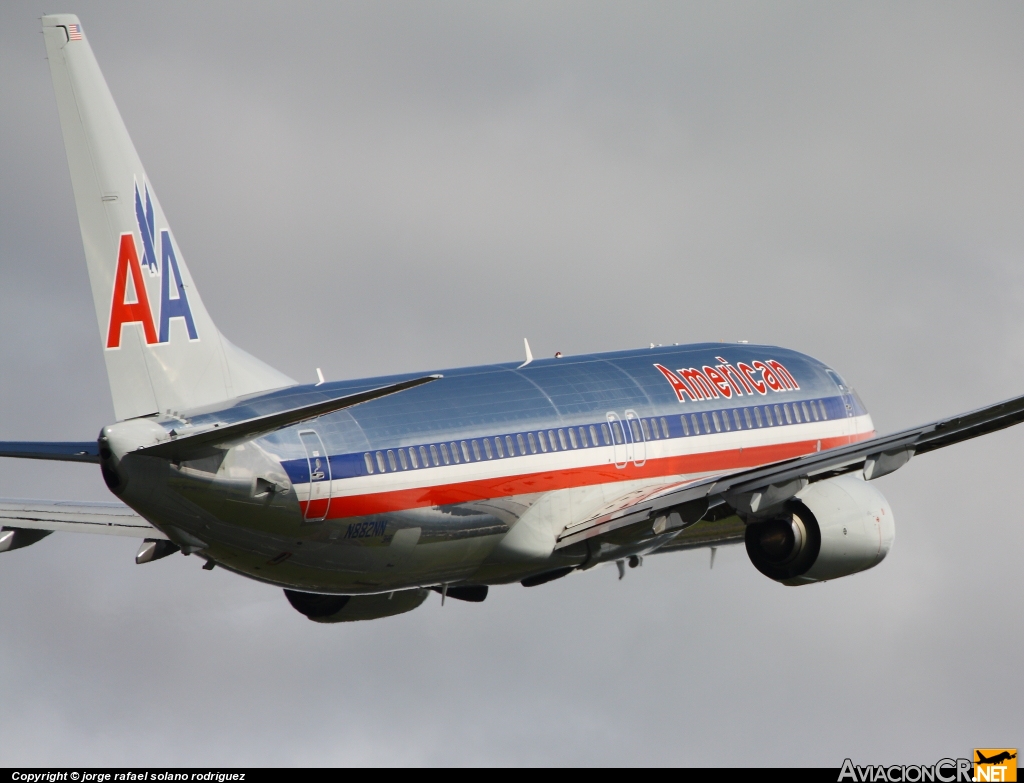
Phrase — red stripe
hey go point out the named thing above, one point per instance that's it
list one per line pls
(547, 481)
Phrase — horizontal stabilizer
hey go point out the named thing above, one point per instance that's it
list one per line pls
(65, 451)
(114, 519)
(186, 445)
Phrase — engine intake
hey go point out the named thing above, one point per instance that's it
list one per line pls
(831, 528)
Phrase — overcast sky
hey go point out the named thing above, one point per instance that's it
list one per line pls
(427, 183)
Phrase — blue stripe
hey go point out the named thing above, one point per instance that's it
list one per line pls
(354, 464)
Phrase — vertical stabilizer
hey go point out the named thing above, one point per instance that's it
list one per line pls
(162, 350)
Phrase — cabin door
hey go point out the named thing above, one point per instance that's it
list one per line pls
(318, 495)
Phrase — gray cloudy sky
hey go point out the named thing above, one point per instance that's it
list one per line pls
(434, 181)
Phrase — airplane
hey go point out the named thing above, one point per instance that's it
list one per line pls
(358, 498)
(999, 758)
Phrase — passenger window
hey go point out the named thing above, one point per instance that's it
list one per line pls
(789, 419)
(704, 418)
(647, 430)
(522, 445)
(635, 428)
(476, 451)
(402, 459)
(533, 446)
(369, 462)
(391, 460)
(796, 412)
(561, 439)
(487, 448)
(511, 447)
(714, 415)
(433, 457)
(554, 440)
(757, 417)
(746, 415)
(725, 421)
(444, 455)
(572, 437)
(768, 416)
(380, 462)
(696, 426)
(499, 447)
(824, 412)
(465, 451)
(778, 415)
(736, 417)
(455, 452)
(814, 410)
(807, 413)
(664, 427)
(423, 457)
(606, 434)
(593, 436)
(686, 427)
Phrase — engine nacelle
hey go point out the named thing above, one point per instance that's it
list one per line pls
(348, 608)
(832, 528)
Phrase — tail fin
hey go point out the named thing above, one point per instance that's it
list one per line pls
(162, 350)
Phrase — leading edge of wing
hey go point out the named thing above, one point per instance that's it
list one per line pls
(185, 445)
(112, 519)
(876, 457)
(65, 451)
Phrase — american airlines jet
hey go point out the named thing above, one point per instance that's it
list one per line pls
(360, 497)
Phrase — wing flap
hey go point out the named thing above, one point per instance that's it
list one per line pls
(689, 502)
(112, 519)
(727, 531)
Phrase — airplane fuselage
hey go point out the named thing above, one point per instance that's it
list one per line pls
(472, 478)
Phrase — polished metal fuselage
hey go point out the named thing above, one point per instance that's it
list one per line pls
(338, 505)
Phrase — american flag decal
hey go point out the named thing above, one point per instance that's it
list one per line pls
(74, 32)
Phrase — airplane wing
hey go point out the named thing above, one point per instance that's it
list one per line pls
(114, 519)
(654, 512)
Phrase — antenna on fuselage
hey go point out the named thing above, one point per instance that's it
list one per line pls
(529, 354)
(320, 375)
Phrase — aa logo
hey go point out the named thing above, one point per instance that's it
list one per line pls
(998, 764)
(130, 298)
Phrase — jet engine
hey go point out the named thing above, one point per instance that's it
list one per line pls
(832, 528)
(346, 608)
